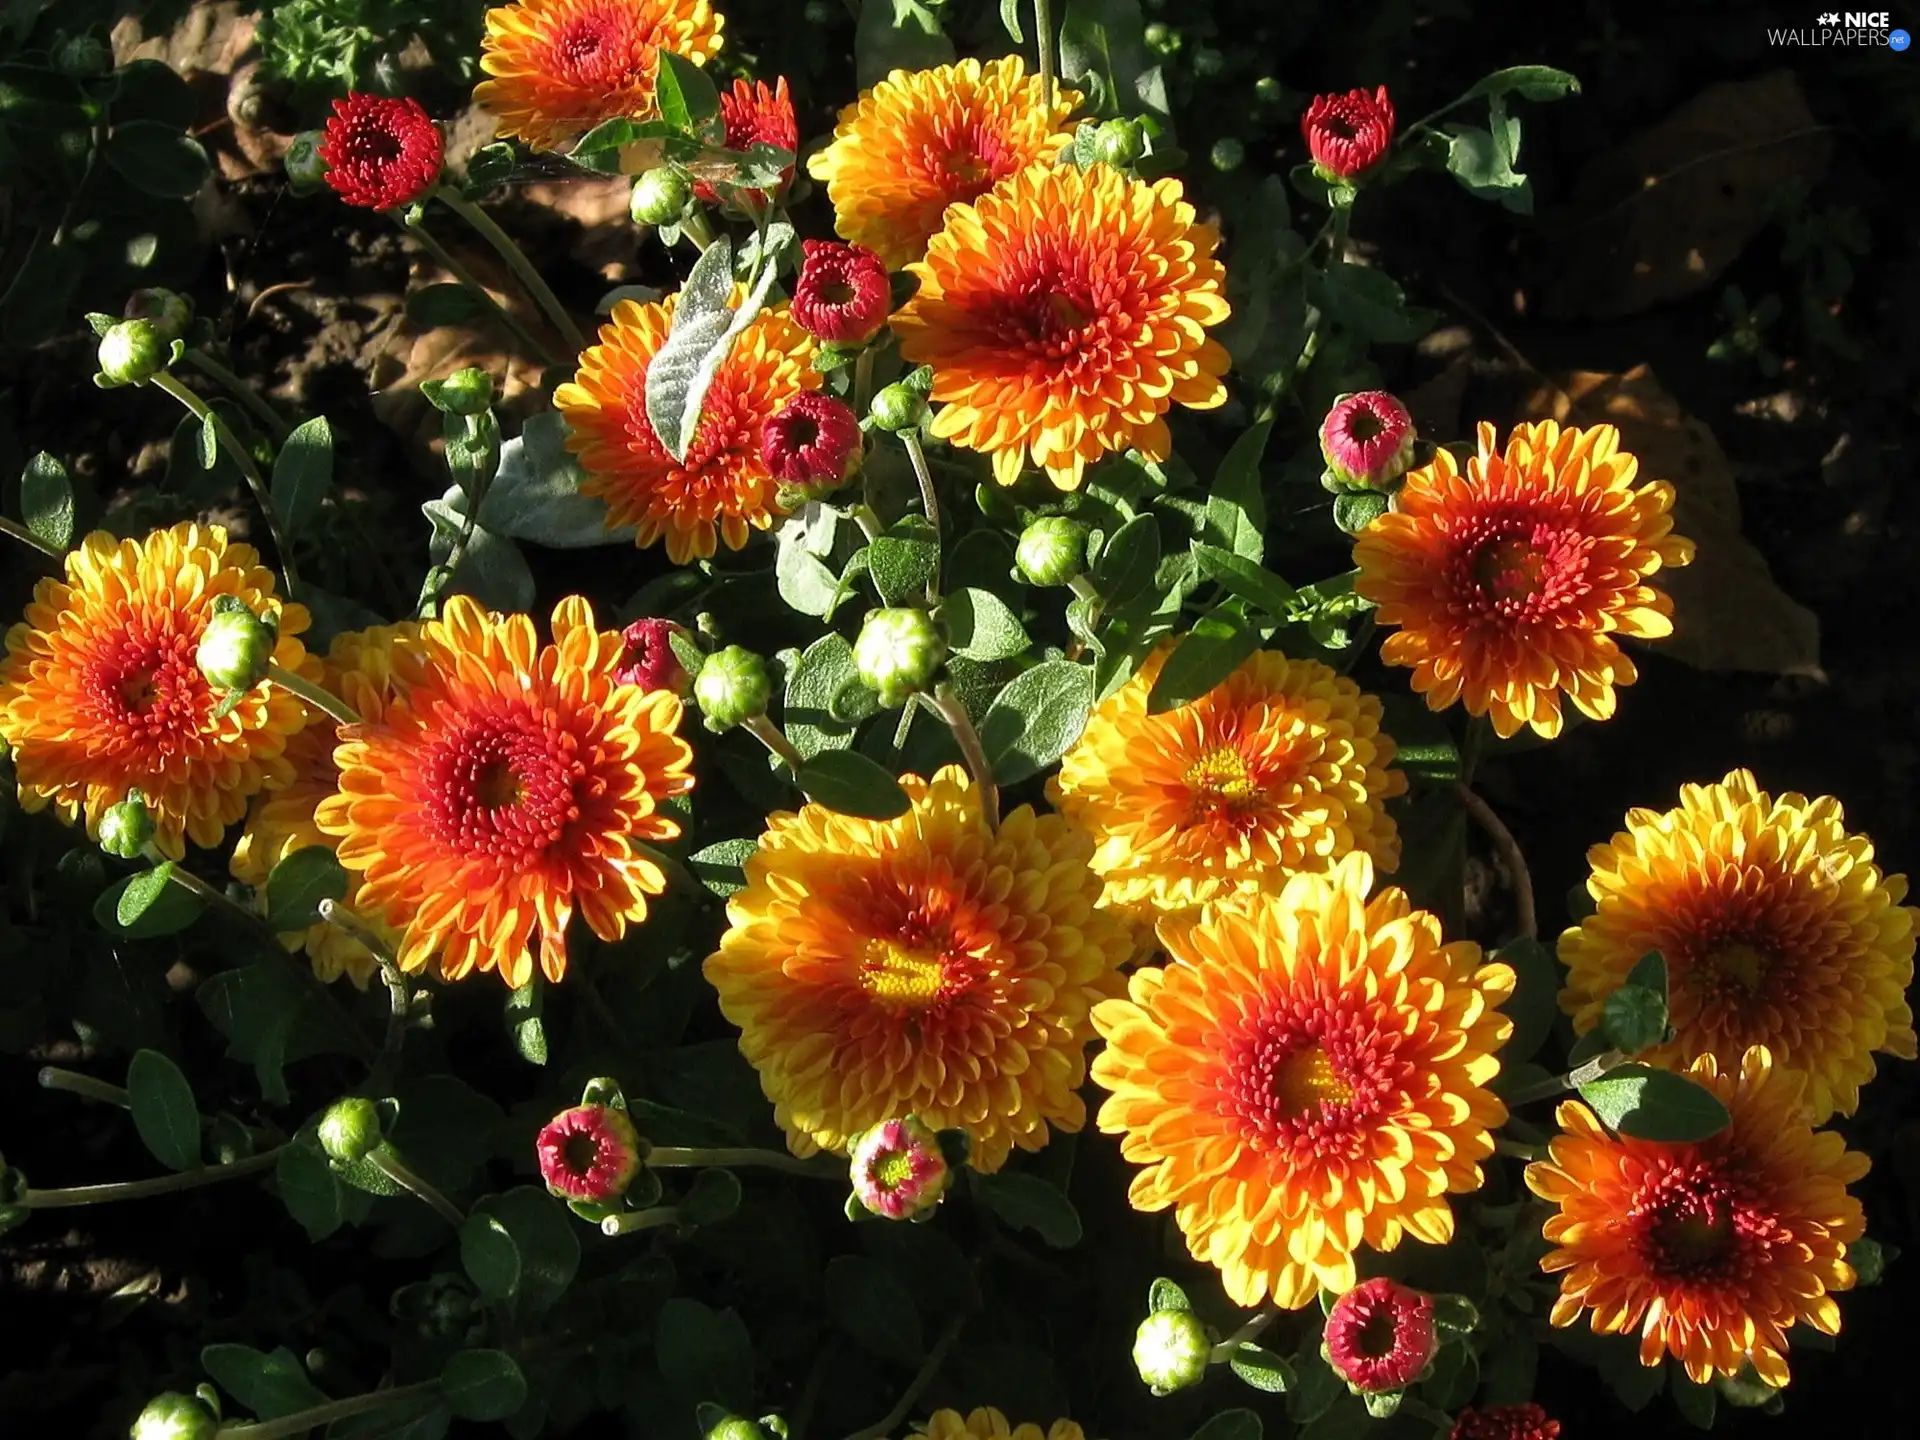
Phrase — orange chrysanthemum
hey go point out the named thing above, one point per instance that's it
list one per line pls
(1510, 583)
(1281, 767)
(1712, 1250)
(1064, 314)
(100, 693)
(358, 668)
(1308, 1075)
(503, 788)
(722, 490)
(919, 142)
(1777, 928)
(924, 965)
(557, 68)
(986, 1423)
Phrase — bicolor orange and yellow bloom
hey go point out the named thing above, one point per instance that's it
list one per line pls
(722, 491)
(1512, 583)
(925, 964)
(1281, 768)
(1064, 314)
(502, 791)
(100, 693)
(1777, 929)
(1713, 1250)
(921, 141)
(986, 1423)
(1308, 1074)
(557, 68)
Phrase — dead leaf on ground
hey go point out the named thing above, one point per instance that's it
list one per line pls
(1728, 612)
(209, 37)
(1664, 215)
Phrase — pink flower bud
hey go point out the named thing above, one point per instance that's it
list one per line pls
(591, 1152)
(899, 1170)
(649, 661)
(1348, 134)
(1380, 1336)
(1367, 439)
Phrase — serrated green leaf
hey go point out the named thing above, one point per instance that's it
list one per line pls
(1241, 576)
(299, 883)
(1236, 505)
(46, 500)
(483, 1384)
(1033, 721)
(1126, 563)
(853, 784)
(980, 626)
(1650, 1104)
(1029, 1203)
(148, 905)
(1210, 652)
(164, 1110)
(875, 1309)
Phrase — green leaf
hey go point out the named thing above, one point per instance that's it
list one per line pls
(535, 494)
(686, 97)
(1243, 577)
(524, 1009)
(1033, 721)
(1231, 1425)
(704, 1354)
(164, 1110)
(1423, 746)
(1262, 1369)
(897, 35)
(714, 1196)
(1216, 646)
(701, 318)
(1236, 506)
(299, 883)
(483, 1384)
(1634, 1017)
(1535, 1000)
(1696, 1403)
(147, 905)
(272, 1013)
(1650, 1104)
(1532, 82)
(1483, 161)
(853, 784)
(448, 303)
(309, 1189)
(302, 474)
(904, 561)
(802, 577)
(720, 867)
(1029, 1203)
(980, 626)
(1010, 17)
(1103, 52)
(823, 671)
(875, 1309)
(1127, 561)
(268, 1385)
(490, 167)
(1370, 304)
(1166, 1295)
(46, 500)
(489, 1256)
(209, 442)
(157, 159)
(492, 570)
(547, 1243)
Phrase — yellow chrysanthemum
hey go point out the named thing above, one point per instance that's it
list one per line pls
(1308, 1075)
(358, 668)
(1281, 767)
(1714, 1250)
(1777, 928)
(924, 964)
(502, 790)
(100, 694)
(557, 68)
(921, 141)
(1064, 313)
(722, 489)
(1509, 583)
(986, 1423)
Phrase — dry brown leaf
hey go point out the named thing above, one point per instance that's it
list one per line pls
(209, 37)
(1664, 215)
(1728, 612)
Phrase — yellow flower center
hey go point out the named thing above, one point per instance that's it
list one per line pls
(1222, 774)
(894, 1171)
(1741, 964)
(1308, 1082)
(891, 971)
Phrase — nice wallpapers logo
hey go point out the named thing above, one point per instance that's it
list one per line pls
(1852, 27)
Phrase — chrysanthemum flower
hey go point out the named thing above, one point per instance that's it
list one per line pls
(557, 68)
(1309, 1074)
(1064, 314)
(1777, 928)
(1349, 134)
(358, 668)
(1380, 1335)
(986, 1423)
(923, 964)
(1510, 583)
(381, 152)
(842, 292)
(1504, 1422)
(648, 660)
(503, 789)
(591, 1152)
(1712, 1250)
(100, 695)
(722, 490)
(918, 142)
(1367, 439)
(1281, 767)
(755, 114)
(812, 441)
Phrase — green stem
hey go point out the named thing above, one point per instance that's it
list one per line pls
(1043, 41)
(517, 262)
(27, 537)
(631, 1222)
(301, 1421)
(255, 482)
(929, 499)
(324, 701)
(74, 1083)
(968, 739)
(444, 258)
(667, 1157)
(399, 996)
(863, 381)
(936, 1357)
(1511, 858)
(395, 1169)
(694, 226)
(1224, 1352)
(160, 1185)
(868, 522)
(241, 391)
(775, 739)
(1337, 242)
(187, 880)
(1559, 1084)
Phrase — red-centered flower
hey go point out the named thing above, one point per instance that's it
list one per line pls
(812, 441)
(1348, 134)
(1505, 1422)
(649, 661)
(756, 115)
(1367, 439)
(843, 293)
(381, 153)
(1380, 1335)
(590, 1152)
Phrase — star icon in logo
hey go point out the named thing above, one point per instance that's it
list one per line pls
(1830, 18)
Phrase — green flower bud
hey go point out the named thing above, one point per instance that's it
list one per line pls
(1163, 39)
(1170, 1350)
(1119, 142)
(466, 392)
(897, 652)
(732, 687)
(1208, 61)
(82, 56)
(735, 1427)
(1869, 1259)
(174, 1416)
(170, 312)
(1227, 153)
(350, 1130)
(660, 196)
(899, 407)
(1052, 550)
(1267, 90)
(235, 650)
(133, 352)
(306, 167)
(127, 828)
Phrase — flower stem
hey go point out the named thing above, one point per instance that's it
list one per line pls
(517, 262)
(1337, 243)
(159, 1185)
(27, 537)
(674, 1157)
(199, 409)
(775, 739)
(695, 227)
(1580, 1075)
(301, 1421)
(631, 1222)
(968, 739)
(1224, 1352)
(1043, 41)
(74, 1083)
(929, 499)
(917, 1387)
(395, 1169)
(322, 700)
(399, 996)
(187, 880)
(446, 261)
(863, 381)
(241, 391)
(1511, 859)
(868, 522)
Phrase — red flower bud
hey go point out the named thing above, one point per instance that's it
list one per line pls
(755, 115)
(1505, 1422)
(590, 1152)
(649, 661)
(842, 294)
(1348, 134)
(1367, 439)
(812, 441)
(381, 153)
(1380, 1335)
